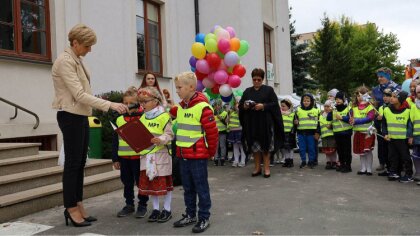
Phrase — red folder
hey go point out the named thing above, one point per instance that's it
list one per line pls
(136, 135)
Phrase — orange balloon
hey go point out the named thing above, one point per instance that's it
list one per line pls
(235, 43)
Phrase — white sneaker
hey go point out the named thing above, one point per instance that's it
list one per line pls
(283, 160)
(234, 164)
(241, 164)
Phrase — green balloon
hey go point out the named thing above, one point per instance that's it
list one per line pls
(210, 94)
(238, 92)
(243, 48)
(210, 36)
(211, 45)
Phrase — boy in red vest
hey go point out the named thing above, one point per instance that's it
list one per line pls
(196, 141)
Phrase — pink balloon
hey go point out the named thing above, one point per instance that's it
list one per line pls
(231, 31)
(234, 81)
(221, 77)
(231, 59)
(222, 34)
(208, 83)
(223, 45)
(211, 76)
(202, 66)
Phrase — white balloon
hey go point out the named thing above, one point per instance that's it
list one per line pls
(225, 90)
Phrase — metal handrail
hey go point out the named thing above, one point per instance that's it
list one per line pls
(21, 108)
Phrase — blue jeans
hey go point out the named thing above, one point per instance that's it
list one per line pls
(306, 144)
(194, 181)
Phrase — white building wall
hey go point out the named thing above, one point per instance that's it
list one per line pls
(113, 60)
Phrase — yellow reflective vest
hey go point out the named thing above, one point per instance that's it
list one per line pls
(357, 114)
(123, 148)
(189, 125)
(324, 123)
(233, 120)
(220, 125)
(339, 126)
(308, 119)
(397, 123)
(415, 118)
(288, 122)
(156, 126)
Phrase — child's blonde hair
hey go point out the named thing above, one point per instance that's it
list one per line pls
(151, 92)
(131, 92)
(187, 78)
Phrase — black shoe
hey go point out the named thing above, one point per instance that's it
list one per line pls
(384, 173)
(67, 216)
(368, 173)
(90, 219)
(311, 165)
(345, 170)
(338, 168)
(286, 163)
(393, 176)
(201, 226)
(266, 176)
(406, 179)
(186, 220)
(164, 216)
(333, 165)
(362, 172)
(291, 163)
(141, 212)
(328, 165)
(303, 164)
(222, 162)
(127, 210)
(154, 216)
(216, 162)
(256, 174)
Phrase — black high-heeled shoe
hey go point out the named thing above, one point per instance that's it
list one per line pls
(256, 173)
(90, 219)
(67, 216)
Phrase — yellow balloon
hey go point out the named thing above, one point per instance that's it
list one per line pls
(198, 50)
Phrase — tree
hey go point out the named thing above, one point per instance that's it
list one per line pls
(300, 62)
(346, 55)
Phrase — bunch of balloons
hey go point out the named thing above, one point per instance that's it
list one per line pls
(216, 61)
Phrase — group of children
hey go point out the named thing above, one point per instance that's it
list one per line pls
(396, 122)
(196, 139)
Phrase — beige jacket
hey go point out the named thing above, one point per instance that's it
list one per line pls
(163, 159)
(72, 86)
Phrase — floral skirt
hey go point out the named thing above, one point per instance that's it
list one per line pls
(363, 143)
(160, 185)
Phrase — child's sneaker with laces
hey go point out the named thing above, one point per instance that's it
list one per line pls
(406, 179)
(393, 176)
(186, 220)
(201, 226)
(235, 164)
(154, 216)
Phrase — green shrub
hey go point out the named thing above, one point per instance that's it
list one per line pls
(105, 118)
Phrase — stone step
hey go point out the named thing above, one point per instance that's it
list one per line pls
(22, 203)
(37, 178)
(11, 150)
(15, 165)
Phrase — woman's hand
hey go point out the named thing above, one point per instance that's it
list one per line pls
(338, 116)
(246, 106)
(155, 141)
(259, 106)
(119, 107)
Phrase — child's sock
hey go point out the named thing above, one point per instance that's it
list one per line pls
(167, 201)
(369, 161)
(363, 163)
(155, 202)
(243, 155)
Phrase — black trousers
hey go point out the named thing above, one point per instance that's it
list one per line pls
(75, 129)
(343, 142)
(383, 151)
(130, 174)
(399, 157)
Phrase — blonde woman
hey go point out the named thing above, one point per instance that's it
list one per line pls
(74, 102)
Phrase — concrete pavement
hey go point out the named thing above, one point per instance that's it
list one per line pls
(292, 201)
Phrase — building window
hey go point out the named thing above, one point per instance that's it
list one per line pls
(267, 44)
(149, 45)
(25, 30)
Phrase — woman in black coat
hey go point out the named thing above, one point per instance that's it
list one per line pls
(262, 124)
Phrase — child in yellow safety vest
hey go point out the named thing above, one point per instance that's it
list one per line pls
(362, 116)
(286, 108)
(397, 127)
(220, 116)
(382, 144)
(127, 160)
(155, 161)
(235, 135)
(327, 137)
(306, 119)
(415, 118)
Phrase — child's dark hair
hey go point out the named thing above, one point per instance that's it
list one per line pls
(359, 90)
(287, 103)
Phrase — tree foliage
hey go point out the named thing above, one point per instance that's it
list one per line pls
(300, 62)
(346, 55)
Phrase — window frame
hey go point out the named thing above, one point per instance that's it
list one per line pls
(146, 41)
(268, 30)
(18, 52)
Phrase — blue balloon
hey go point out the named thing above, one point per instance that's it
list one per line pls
(406, 85)
(226, 99)
(193, 61)
(199, 38)
(193, 69)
